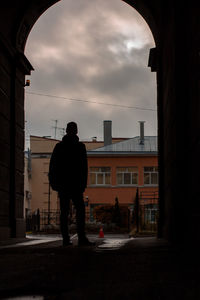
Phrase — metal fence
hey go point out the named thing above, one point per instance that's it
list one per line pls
(50, 219)
(143, 217)
(43, 220)
(148, 212)
(33, 221)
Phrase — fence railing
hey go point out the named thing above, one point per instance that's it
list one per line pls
(43, 220)
(148, 211)
(143, 216)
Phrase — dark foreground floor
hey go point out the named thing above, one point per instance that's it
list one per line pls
(145, 268)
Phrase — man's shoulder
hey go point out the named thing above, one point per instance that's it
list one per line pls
(58, 146)
(82, 145)
(65, 144)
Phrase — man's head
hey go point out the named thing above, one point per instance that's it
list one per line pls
(72, 128)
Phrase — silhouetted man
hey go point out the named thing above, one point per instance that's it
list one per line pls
(68, 175)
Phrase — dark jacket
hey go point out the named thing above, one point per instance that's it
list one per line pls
(68, 165)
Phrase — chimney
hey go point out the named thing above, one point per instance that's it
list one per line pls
(107, 126)
(141, 142)
(94, 139)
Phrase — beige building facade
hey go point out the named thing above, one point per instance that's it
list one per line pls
(43, 198)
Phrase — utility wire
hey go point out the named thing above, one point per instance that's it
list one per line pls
(88, 101)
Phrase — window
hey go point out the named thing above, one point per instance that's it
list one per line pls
(150, 175)
(100, 175)
(127, 175)
(150, 215)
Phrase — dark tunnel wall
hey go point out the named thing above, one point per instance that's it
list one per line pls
(16, 21)
(175, 27)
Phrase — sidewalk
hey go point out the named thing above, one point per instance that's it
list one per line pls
(143, 268)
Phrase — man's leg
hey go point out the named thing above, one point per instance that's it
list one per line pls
(80, 214)
(64, 212)
(80, 219)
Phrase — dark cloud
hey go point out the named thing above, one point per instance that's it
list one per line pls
(95, 50)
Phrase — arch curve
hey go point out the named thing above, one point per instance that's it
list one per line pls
(37, 8)
(148, 13)
(31, 15)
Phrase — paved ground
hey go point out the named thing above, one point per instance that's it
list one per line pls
(136, 269)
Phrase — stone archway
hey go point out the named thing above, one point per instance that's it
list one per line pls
(176, 60)
(16, 22)
(33, 12)
(25, 29)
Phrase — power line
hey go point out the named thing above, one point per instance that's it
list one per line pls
(88, 101)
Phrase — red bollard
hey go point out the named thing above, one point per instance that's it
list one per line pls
(101, 233)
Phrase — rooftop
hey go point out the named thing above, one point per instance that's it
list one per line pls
(131, 146)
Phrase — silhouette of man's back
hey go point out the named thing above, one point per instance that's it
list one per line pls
(68, 176)
(68, 165)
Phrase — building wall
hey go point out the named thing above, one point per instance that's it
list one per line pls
(5, 108)
(125, 194)
(40, 186)
(13, 66)
(40, 144)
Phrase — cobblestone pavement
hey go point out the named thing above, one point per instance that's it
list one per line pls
(141, 268)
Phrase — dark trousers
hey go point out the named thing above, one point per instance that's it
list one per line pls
(77, 199)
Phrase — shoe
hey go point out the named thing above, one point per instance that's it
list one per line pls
(85, 242)
(67, 243)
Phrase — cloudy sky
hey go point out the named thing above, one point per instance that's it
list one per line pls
(95, 51)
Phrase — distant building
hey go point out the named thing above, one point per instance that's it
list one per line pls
(118, 170)
(43, 198)
(114, 170)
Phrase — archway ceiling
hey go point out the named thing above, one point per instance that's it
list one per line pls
(149, 10)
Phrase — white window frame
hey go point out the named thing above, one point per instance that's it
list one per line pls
(154, 171)
(100, 172)
(126, 172)
(150, 215)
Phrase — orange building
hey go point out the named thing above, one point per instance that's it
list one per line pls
(118, 170)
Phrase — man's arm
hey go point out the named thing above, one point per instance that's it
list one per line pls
(53, 166)
(53, 159)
